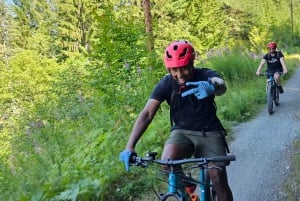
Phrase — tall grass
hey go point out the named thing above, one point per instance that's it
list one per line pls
(245, 91)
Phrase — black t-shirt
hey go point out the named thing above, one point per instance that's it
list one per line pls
(188, 112)
(273, 62)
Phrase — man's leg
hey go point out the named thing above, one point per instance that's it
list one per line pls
(278, 82)
(220, 182)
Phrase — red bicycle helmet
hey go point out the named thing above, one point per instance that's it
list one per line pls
(272, 45)
(179, 54)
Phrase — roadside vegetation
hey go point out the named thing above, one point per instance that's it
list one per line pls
(75, 74)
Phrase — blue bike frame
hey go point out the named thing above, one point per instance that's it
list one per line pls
(203, 186)
(176, 188)
(172, 183)
(272, 93)
(173, 187)
(271, 81)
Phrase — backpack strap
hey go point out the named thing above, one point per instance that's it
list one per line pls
(173, 92)
(171, 101)
(175, 89)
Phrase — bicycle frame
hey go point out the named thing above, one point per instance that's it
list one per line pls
(272, 93)
(175, 188)
(204, 183)
(273, 85)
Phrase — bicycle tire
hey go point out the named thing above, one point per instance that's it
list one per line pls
(213, 194)
(210, 194)
(270, 99)
(276, 96)
(170, 197)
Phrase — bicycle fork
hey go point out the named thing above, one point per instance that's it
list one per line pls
(206, 191)
(203, 187)
(172, 183)
(274, 90)
(176, 188)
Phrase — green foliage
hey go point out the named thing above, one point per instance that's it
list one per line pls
(204, 23)
(271, 21)
(259, 39)
(234, 66)
(242, 100)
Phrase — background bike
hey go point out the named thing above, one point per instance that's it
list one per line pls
(272, 92)
(181, 184)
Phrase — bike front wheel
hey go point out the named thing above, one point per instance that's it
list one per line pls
(210, 193)
(270, 99)
(276, 96)
(170, 197)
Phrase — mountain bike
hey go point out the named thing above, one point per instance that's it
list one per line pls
(272, 92)
(181, 184)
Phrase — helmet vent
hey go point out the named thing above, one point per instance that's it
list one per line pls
(168, 55)
(184, 52)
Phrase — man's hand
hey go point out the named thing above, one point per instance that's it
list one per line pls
(125, 158)
(202, 90)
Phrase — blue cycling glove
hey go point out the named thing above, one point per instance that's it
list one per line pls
(202, 89)
(125, 158)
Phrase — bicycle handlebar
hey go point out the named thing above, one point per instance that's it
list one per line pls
(141, 161)
(266, 73)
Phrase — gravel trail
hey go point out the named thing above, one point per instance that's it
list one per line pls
(263, 148)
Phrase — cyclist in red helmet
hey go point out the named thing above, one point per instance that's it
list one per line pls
(275, 64)
(195, 128)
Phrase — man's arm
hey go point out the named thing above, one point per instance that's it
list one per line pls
(283, 65)
(262, 63)
(144, 119)
(220, 86)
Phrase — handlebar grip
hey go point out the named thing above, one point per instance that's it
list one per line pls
(133, 157)
(223, 158)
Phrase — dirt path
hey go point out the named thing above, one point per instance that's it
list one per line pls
(263, 148)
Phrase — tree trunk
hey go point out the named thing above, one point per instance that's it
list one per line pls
(148, 24)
